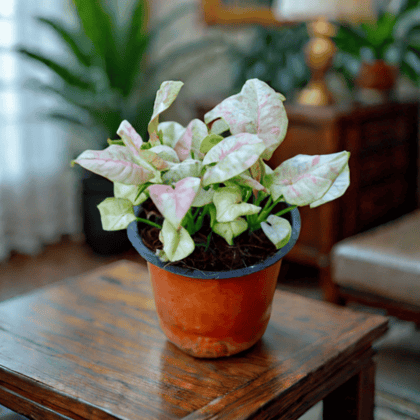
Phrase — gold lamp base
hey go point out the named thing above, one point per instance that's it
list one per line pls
(319, 52)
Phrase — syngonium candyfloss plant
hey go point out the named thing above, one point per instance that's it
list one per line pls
(213, 168)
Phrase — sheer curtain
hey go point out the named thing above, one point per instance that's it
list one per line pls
(38, 189)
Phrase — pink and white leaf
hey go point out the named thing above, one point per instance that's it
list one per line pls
(278, 230)
(247, 181)
(191, 140)
(178, 171)
(337, 189)
(257, 109)
(234, 155)
(130, 137)
(175, 203)
(116, 213)
(230, 230)
(229, 205)
(115, 163)
(170, 131)
(177, 243)
(304, 179)
(164, 98)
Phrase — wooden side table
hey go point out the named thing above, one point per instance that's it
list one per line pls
(91, 348)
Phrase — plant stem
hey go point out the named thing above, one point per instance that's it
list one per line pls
(148, 222)
(284, 211)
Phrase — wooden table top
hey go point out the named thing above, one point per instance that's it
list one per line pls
(90, 347)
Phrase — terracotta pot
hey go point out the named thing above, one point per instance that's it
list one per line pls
(377, 75)
(214, 313)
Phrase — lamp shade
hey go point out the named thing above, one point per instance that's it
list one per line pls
(302, 10)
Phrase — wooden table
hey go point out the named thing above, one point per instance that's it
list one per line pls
(90, 348)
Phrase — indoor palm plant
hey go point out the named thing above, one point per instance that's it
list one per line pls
(105, 76)
(381, 48)
(204, 191)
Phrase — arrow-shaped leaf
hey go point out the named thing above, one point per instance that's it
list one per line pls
(231, 230)
(232, 156)
(191, 140)
(115, 163)
(229, 205)
(116, 213)
(305, 179)
(257, 109)
(130, 137)
(278, 230)
(175, 203)
(177, 243)
(164, 98)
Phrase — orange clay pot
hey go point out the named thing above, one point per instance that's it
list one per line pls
(214, 314)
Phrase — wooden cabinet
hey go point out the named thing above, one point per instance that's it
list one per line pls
(383, 169)
(383, 143)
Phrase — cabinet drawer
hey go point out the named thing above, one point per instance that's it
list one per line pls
(384, 163)
(384, 132)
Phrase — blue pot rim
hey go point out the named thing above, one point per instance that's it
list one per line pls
(135, 238)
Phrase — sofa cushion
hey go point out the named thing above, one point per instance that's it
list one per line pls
(384, 261)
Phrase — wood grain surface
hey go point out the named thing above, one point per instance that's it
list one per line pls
(90, 347)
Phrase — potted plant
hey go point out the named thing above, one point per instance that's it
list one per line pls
(208, 199)
(381, 47)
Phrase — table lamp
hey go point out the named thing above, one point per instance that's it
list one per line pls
(320, 49)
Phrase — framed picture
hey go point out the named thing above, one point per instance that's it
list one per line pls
(232, 12)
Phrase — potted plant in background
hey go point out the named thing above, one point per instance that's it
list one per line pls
(381, 50)
(106, 76)
(208, 203)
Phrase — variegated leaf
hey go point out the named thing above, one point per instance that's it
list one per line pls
(203, 197)
(130, 137)
(278, 230)
(337, 189)
(178, 171)
(170, 131)
(175, 203)
(230, 230)
(166, 153)
(229, 205)
(177, 243)
(129, 192)
(246, 181)
(115, 163)
(191, 139)
(164, 98)
(116, 213)
(305, 179)
(257, 109)
(233, 155)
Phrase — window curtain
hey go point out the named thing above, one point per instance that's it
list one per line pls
(38, 189)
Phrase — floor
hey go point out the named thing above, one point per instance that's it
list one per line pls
(398, 357)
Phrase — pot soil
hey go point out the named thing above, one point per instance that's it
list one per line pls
(215, 313)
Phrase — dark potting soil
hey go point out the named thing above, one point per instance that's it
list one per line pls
(248, 248)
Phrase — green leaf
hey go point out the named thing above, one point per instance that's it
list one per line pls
(116, 213)
(68, 75)
(210, 141)
(278, 230)
(177, 243)
(74, 40)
